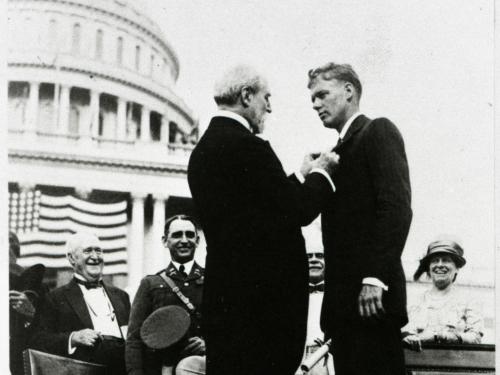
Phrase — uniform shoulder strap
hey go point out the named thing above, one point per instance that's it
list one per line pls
(178, 292)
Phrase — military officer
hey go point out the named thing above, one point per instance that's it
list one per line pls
(155, 291)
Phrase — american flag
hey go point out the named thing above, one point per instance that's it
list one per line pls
(44, 222)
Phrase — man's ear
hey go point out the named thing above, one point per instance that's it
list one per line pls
(70, 258)
(349, 90)
(246, 96)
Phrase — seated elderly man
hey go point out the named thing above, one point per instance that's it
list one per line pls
(86, 318)
(443, 314)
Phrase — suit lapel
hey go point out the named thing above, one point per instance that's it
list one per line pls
(356, 126)
(75, 298)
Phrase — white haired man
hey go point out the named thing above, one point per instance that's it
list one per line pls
(85, 318)
(256, 278)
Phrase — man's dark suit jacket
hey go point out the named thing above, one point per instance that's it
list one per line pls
(256, 277)
(154, 293)
(64, 311)
(367, 220)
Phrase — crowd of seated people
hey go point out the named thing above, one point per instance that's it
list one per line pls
(90, 320)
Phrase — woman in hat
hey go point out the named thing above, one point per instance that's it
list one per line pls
(443, 314)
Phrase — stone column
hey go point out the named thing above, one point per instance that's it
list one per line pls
(64, 110)
(32, 118)
(136, 244)
(155, 257)
(94, 113)
(145, 129)
(121, 119)
(164, 129)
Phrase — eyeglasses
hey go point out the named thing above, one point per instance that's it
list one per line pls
(89, 250)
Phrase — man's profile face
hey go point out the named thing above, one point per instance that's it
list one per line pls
(259, 107)
(329, 98)
(87, 259)
(181, 240)
(316, 262)
(442, 270)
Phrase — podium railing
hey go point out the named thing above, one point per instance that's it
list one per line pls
(437, 359)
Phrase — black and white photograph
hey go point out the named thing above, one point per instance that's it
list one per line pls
(279, 187)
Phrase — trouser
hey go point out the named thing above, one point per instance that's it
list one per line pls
(111, 352)
(367, 347)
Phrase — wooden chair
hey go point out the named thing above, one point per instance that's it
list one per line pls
(40, 363)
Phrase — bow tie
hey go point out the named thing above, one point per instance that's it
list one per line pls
(89, 284)
(316, 288)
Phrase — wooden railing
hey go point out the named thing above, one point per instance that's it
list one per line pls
(440, 359)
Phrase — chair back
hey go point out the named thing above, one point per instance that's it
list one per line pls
(40, 363)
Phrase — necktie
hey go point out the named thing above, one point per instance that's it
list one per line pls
(89, 284)
(316, 288)
(182, 270)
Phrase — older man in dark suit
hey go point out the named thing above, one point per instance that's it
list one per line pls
(256, 293)
(365, 225)
(86, 318)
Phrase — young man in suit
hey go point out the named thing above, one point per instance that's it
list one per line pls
(85, 319)
(181, 239)
(365, 225)
(256, 288)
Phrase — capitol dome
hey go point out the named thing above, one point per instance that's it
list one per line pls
(93, 113)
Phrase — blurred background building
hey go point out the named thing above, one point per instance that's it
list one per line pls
(98, 139)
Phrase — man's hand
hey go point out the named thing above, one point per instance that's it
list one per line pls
(427, 335)
(20, 302)
(195, 346)
(414, 342)
(327, 161)
(307, 164)
(370, 301)
(85, 337)
(446, 336)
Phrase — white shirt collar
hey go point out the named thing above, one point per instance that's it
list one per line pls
(243, 121)
(348, 123)
(187, 266)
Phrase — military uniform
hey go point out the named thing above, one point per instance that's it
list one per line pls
(154, 293)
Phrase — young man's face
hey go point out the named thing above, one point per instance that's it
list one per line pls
(329, 98)
(182, 240)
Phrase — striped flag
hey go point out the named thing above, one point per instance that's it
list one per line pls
(43, 223)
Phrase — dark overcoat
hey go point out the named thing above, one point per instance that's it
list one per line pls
(256, 288)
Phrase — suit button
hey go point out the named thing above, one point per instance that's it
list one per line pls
(186, 284)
